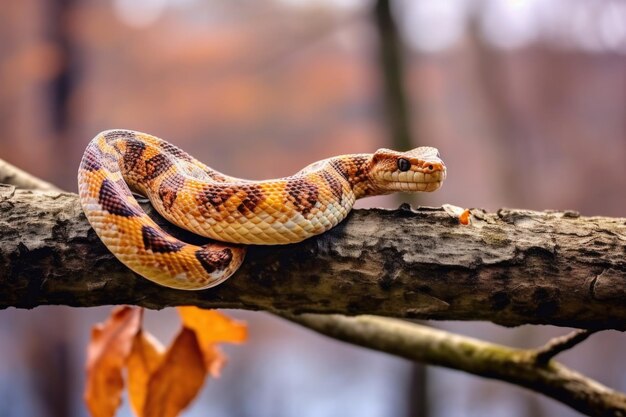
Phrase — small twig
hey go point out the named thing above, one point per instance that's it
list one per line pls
(560, 344)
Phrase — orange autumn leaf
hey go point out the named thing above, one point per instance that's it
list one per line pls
(213, 327)
(160, 384)
(108, 349)
(178, 379)
(464, 218)
(145, 357)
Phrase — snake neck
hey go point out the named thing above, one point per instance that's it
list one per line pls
(355, 169)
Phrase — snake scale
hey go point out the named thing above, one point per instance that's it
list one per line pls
(232, 211)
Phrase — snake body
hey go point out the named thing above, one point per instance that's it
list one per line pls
(233, 211)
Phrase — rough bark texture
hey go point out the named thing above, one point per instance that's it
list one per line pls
(512, 267)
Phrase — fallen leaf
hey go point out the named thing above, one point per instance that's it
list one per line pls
(107, 352)
(213, 327)
(465, 217)
(145, 357)
(178, 378)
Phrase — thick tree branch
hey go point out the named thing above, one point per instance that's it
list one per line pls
(436, 347)
(533, 369)
(512, 267)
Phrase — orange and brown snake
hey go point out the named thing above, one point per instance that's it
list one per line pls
(231, 210)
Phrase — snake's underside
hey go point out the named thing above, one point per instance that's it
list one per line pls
(233, 211)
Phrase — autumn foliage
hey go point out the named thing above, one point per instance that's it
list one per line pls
(161, 382)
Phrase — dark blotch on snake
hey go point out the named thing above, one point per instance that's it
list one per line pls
(91, 159)
(132, 155)
(342, 168)
(359, 170)
(302, 194)
(156, 166)
(214, 195)
(176, 151)
(112, 199)
(212, 260)
(335, 186)
(254, 196)
(168, 190)
(157, 242)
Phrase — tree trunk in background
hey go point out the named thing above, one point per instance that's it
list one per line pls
(61, 88)
(488, 71)
(391, 61)
(501, 124)
(392, 70)
(51, 370)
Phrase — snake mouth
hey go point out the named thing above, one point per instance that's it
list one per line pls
(414, 180)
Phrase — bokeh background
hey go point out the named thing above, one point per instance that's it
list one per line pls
(526, 99)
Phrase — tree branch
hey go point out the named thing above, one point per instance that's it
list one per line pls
(436, 347)
(560, 344)
(10, 174)
(512, 267)
(532, 368)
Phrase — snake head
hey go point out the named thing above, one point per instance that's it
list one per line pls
(420, 169)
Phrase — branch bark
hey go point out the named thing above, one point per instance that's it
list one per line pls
(512, 267)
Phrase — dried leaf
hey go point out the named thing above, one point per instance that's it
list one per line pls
(145, 357)
(212, 327)
(107, 352)
(465, 217)
(178, 379)
(214, 360)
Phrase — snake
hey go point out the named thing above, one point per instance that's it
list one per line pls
(234, 213)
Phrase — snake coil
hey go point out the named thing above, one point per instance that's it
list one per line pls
(232, 211)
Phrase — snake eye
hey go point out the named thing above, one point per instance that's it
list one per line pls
(403, 164)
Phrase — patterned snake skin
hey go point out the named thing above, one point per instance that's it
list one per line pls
(227, 209)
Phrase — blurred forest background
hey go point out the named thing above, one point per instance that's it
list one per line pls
(526, 99)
